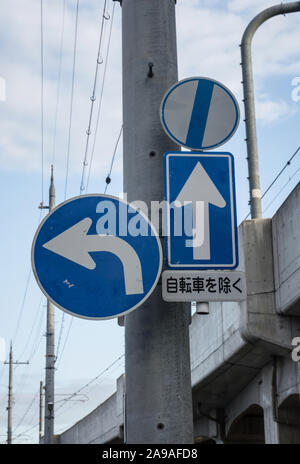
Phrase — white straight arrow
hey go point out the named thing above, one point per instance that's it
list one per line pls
(200, 191)
(75, 245)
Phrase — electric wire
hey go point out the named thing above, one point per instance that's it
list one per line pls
(42, 97)
(22, 306)
(108, 178)
(116, 367)
(21, 309)
(101, 96)
(72, 98)
(24, 297)
(65, 342)
(91, 381)
(69, 139)
(26, 412)
(277, 176)
(60, 335)
(99, 61)
(27, 430)
(34, 351)
(93, 98)
(281, 190)
(58, 81)
(32, 328)
(68, 153)
(282, 170)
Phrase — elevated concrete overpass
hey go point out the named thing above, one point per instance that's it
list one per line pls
(245, 384)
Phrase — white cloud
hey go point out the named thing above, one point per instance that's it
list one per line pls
(269, 111)
(252, 5)
(209, 34)
(208, 45)
(20, 147)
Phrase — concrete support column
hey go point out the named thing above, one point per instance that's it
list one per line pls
(267, 398)
(271, 427)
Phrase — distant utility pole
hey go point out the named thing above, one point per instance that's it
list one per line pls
(50, 347)
(10, 394)
(41, 412)
(157, 353)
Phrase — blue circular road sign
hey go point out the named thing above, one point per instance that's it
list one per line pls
(199, 113)
(96, 257)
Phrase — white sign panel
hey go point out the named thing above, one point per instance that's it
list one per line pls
(203, 286)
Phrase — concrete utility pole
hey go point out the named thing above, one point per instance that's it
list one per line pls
(250, 120)
(10, 397)
(41, 412)
(50, 348)
(10, 394)
(157, 353)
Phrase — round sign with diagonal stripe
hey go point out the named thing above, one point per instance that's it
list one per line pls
(199, 113)
(96, 257)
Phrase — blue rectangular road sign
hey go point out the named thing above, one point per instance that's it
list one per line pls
(201, 215)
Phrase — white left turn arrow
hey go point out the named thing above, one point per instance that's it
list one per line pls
(200, 191)
(75, 245)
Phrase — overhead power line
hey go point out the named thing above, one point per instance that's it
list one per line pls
(72, 98)
(35, 320)
(90, 382)
(281, 190)
(108, 178)
(26, 412)
(42, 98)
(101, 96)
(69, 131)
(277, 176)
(22, 305)
(58, 80)
(64, 345)
(99, 61)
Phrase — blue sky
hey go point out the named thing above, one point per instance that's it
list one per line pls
(208, 34)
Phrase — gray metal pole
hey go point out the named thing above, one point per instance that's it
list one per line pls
(250, 121)
(10, 396)
(50, 350)
(157, 356)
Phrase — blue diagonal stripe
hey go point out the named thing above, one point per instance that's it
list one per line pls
(199, 114)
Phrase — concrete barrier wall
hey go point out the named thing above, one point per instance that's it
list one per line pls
(102, 425)
(286, 243)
